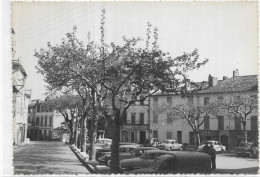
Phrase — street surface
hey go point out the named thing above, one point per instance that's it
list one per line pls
(47, 157)
(233, 164)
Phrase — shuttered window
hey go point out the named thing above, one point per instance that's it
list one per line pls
(221, 122)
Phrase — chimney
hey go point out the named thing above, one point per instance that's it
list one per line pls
(235, 73)
(213, 81)
(225, 78)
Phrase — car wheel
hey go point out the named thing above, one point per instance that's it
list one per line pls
(108, 162)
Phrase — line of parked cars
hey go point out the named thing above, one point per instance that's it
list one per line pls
(162, 158)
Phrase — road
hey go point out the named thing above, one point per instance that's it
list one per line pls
(233, 164)
(46, 157)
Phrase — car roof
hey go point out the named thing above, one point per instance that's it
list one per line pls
(156, 151)
(127, 146)
(169, 140)
(105, 139)
(211, 141)
(146, 148)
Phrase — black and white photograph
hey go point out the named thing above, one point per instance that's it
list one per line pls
(137, 87)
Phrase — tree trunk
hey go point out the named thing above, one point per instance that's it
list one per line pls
(197, 137)
(245, 132)
(92, 154)
(76, 133)
(71, 133)
(114, 167)
(82, 134)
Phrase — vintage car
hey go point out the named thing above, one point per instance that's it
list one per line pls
(216, 145)
(181, 162)
(145, 160)
(124, 153)
(170, 145)
(247, 148)
(104, 143)
(140, 150)
(151, 142)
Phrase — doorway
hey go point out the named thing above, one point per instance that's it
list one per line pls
(224, 140)
(142, 136)
(132, 137)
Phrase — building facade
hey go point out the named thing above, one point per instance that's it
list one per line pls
(43, 123)
(136, 128)
(223, 127)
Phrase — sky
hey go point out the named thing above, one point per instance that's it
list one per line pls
(223, 32)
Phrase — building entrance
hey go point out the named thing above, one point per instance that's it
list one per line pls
(142, 136)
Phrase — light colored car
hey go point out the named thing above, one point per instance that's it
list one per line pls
(170, 145)
(103, 143)
(216, 145)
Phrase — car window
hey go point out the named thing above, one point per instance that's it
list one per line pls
(150, 156)
(167, 165)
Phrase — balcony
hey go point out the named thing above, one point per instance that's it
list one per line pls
(136, 125)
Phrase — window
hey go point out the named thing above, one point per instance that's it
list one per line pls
(221, 122)
(169, 118)
(237, 124)
(206, 123)
(155, 117)
(155, 134)
(141, 118)
(169, 135)
(41, 120)
(179, 137)
(50, 123)
(46, 120)
(169, 100)
(133, 118)
(206, 100)
(29, 119)
(254, 123)
(38, 108)
(155, 100)
(141, 100)
(37, 121)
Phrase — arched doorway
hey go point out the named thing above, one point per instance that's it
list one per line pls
(124, 136)
(224, 141)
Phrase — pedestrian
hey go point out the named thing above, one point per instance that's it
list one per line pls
(206, 148)
(212, 153)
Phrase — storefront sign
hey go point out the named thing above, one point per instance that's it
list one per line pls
(134, 127)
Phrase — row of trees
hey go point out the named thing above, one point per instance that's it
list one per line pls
(99, 81)
(106, 79)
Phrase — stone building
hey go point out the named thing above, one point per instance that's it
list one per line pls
(43, 123)
(222, 127)
(136, 128)
(20, 103)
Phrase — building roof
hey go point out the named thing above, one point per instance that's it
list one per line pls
(20, 67)
(234, 84)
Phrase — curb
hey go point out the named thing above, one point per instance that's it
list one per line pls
(83, 160)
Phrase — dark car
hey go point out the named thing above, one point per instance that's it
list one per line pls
(140, 150)
(124, 153)
(180, 162)
(247, 148)
(145, 160)
(151, 142)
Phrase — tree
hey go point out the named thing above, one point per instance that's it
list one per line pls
(195, 115)
(114, 75)
(241, 107)
(66, 105)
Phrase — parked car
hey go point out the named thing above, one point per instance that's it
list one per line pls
(145, 160)
(247, 148)
(216, 145)
(104, 143)
(170, 145)
(140, 150)
(181, 162)
(151, 142)
(124, 153)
